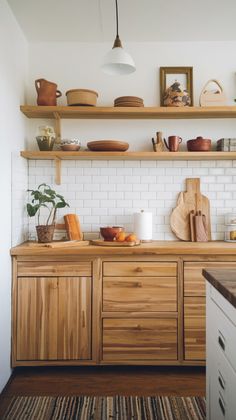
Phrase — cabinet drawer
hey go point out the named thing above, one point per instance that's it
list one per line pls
(56, 268)
(194, 328)
(139, 339)
(143, 294)
(222, 380)
(129, 268)
(223, 331)
(194, 282)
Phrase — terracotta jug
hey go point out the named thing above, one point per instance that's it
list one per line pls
(173, 143)
(47, 92)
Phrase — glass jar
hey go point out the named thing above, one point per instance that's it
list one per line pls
(230, 227)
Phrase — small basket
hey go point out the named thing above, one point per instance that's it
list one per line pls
(209, 98)
(45, 233)
(81, 97)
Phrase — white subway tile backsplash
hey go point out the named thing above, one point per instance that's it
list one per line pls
(109, 192)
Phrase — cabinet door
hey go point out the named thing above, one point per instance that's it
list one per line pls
(194, 328)
(53, 318)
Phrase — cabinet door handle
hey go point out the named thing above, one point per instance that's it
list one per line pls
(221, 382)
(221, 342)
(222, 406)
(83, 319)
(139, 270)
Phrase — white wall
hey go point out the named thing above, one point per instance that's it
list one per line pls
(109, 192)
(13, 70)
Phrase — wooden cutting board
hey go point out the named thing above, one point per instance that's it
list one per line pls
(60, 244)
(100, 242)
(187, 201)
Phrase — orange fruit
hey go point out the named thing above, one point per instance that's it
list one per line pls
(121, 236)
(131, 238)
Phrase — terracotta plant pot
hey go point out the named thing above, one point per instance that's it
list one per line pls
(45, 233)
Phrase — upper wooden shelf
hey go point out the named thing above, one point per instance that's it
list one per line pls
(127, 112)
(87, 155)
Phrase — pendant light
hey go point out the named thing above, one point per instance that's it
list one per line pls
(118, 61)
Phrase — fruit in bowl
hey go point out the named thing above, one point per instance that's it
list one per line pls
(70, 145)
(110, 233)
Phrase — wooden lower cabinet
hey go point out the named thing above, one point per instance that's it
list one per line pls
(53, 318)
(139, 339)
(194, 328)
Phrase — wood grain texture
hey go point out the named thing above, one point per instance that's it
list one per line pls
(54, 269)
(224, 281)
(194, 282)
(107, 380)
(76, 112)
(150, 294)
(194, 328)
(53, 155)
(153, 269)
(155, 248)
(53, 318)
(139, 339)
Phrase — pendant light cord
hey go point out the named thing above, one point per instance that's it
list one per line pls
(117, 19)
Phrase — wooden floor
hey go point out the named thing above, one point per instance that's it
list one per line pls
(123, 380)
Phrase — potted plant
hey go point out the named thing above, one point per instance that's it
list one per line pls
(43, 197)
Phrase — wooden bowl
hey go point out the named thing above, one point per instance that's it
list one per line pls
(70, 147)
(109, 233)
(199, 145)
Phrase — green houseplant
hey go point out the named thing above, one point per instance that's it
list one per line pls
(45, 197)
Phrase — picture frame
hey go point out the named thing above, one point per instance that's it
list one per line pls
(168, 75)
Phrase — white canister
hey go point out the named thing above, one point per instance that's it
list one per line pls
(143, 225)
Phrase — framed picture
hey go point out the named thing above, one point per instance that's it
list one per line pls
(171, 75)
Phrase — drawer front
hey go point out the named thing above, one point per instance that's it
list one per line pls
(139, 339)
(223, 333)
(194, 328)
(51, 268)
(145, 294)
(194, 282)
(222, 380)
(129, 268)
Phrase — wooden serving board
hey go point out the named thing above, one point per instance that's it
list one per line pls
(100, 242)
(191, 200)
(60, 244)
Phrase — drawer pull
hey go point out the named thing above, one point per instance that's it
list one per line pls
(138, 327)
(139, 270)
(138, 284)
(221, 382)
(222, 406)
(221, 342)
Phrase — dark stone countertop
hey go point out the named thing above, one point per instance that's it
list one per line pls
(224, 281)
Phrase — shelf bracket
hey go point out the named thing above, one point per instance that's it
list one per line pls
(57, 171)
(57, 126)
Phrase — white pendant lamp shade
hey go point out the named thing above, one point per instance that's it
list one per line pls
(118, 61)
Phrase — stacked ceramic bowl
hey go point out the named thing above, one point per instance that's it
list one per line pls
(128, 101)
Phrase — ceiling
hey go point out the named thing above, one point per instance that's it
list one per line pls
(139, 20)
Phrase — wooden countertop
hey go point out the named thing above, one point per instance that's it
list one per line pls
(224, 281)
(152, 248)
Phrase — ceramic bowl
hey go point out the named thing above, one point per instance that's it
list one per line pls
(70, 145)
(109, 233)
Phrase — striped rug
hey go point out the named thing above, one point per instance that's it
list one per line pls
(106, 408)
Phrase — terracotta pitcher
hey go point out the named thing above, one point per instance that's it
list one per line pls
(47, 92)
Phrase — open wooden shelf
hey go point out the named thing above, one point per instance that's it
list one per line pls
(87, 155)
(74, 112)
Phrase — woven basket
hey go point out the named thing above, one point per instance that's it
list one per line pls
(45, 233)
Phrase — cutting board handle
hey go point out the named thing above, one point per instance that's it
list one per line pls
(193, 185)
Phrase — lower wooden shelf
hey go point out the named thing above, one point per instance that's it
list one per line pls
(128, 155)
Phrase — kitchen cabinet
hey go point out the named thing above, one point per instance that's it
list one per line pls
(221, 359)
(109, 305)
(194, 307)
(52, 317)
(140, 315)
